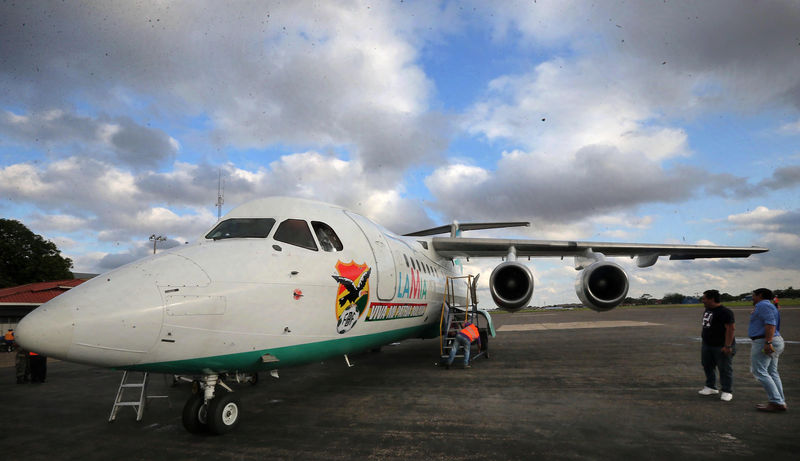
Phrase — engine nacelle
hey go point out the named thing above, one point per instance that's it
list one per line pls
(511, 285)
(602, 286)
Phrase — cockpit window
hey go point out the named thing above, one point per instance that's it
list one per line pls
(242, 228)
(296, 232)
(328, 239)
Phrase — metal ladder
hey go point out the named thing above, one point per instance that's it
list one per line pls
(137, 405)
(451, 317)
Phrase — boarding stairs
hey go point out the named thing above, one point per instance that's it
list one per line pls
(457, 311)
(139, 389)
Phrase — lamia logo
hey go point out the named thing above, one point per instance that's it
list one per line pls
(353, 294)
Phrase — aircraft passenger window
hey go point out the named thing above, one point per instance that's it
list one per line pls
(242, 228)
(295, 232)
(328, 239)
(406, 258)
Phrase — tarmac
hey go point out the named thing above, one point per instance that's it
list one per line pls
(557, 385)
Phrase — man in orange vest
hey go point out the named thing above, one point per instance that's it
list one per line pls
(464, 338)
(9, 340)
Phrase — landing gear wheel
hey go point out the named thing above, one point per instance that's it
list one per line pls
(195, 414)
(223, 413)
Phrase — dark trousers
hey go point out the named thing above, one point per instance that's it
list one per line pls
(713, 358)
(38, 368)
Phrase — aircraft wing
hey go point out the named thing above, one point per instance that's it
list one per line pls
(487, 247)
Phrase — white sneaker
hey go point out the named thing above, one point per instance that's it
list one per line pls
(726, 396)
(707, 391)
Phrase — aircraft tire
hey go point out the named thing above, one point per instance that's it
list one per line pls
(195, 414)
(224, 413)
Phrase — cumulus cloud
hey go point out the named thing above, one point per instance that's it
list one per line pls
(117, 139)
(596, 129)
(563, 106)
(601, 180)
(119, 205)
(320, 74)
(684, 54)
(762, 218)
(77, 185)
(783, 178)
(58, 222)
(777, 230)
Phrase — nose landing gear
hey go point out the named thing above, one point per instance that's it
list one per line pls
(210, 409)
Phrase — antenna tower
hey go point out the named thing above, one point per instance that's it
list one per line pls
(220, 195)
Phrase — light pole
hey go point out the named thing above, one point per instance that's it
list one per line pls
(155, 240)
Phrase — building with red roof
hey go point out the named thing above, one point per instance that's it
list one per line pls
(16, 302)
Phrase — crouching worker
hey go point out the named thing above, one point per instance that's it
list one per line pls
(464, 338)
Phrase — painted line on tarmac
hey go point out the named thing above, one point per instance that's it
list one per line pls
(576, 325)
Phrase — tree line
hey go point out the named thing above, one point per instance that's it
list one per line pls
(678, 298)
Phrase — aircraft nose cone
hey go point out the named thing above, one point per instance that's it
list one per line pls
(47, 330)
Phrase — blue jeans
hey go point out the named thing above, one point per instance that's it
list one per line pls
(459, 342)
(765, 368)
(712, 358)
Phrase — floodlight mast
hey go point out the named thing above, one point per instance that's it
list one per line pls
(155, 239)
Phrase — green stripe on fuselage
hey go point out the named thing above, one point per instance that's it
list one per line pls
(287, 356)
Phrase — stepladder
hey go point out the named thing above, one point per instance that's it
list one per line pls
(136, 389)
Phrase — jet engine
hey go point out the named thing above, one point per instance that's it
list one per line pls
(602, 286)
(511, 285)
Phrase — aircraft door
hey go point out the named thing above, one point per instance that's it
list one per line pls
(386, 276)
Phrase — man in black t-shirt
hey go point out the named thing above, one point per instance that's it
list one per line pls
(719, 346)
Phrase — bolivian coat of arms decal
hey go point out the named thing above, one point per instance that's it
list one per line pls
(352, 295)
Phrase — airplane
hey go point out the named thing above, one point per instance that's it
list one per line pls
(279, 282)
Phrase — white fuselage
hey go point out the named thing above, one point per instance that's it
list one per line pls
(248, 304)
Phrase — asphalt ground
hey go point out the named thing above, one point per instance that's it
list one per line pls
(576, 393)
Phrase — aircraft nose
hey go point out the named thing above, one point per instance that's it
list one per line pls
(48, 330)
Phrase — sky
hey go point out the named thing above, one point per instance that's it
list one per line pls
(655, 122)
